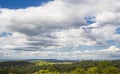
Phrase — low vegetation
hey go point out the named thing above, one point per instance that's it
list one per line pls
(45, 67)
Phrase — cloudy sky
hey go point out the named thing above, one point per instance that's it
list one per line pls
(60, 29)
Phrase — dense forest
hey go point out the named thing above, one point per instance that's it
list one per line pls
(48, 67)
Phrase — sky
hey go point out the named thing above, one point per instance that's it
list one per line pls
(60, 29)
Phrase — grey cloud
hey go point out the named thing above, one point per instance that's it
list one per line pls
(61, 23)
(108, 53)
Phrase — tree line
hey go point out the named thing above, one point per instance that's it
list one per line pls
(82, 67)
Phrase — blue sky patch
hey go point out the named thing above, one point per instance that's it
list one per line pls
(90, 19)
(92, 47)
(5, 34)
(118, 31)
(111, 42)
(16, 4)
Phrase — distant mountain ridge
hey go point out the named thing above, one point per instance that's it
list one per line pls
(49, 60)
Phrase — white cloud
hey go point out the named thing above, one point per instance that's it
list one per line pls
(59, 24)
(17, 40)
(109, 53)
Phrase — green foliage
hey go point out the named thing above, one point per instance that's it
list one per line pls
(110, 70)
(86, 64)
(42, 72)
(46, 72)
(116, 63)
(92, 70)
(43, 67)
(78, 71)
(102, 65)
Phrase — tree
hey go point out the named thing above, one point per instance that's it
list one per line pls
(102, 65)
(78, 71)
(42, 72)
(110, 70)
(92, 70)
